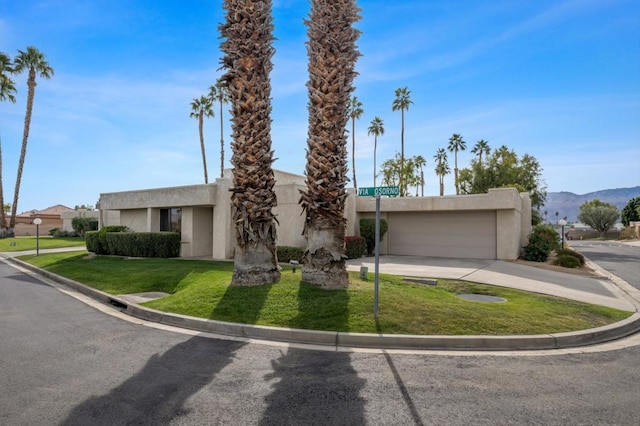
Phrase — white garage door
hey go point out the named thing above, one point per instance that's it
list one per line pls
(443, 234)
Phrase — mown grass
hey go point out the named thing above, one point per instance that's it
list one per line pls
(29, 243)
(201, 288)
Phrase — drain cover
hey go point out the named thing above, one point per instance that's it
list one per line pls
(482, 298)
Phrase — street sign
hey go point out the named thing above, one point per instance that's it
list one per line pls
(379, 190)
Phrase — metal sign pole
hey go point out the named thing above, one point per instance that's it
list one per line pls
(377, 254)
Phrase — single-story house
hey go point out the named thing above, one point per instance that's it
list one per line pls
(481, 226)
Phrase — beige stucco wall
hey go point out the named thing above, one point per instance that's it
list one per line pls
(67, 217)
(206, 213)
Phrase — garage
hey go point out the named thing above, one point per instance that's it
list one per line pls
(455, 234)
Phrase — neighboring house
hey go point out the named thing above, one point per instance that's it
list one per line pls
(51, 218)
(482, 226)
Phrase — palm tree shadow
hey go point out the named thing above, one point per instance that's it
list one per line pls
(157, 393)
(315, 387)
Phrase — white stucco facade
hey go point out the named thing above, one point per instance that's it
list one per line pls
(493, 225)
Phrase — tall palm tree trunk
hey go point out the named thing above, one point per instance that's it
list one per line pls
(204, 154)
(402, 154)
(248, 51)
(353, 152)
(3, 219)
(31, 85)
(332, 55)
(221, 142)
(375, 148)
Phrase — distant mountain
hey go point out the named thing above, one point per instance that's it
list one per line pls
(568, 204)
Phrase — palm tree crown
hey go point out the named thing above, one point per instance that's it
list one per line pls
(7, 86)
(376, 128)
(355, 111)
(481, 148)
(33, 61)
(456, 143)
(442, 167)
(401, 103)
(200, 108)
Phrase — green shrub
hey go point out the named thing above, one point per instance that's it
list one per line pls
(542, 241)
(53, 231)
(355, 247)
(567, 261)
(569, 252)
(368, 231)
(84, 224)
(97, 240)
(143, 244)
(59, 233)
(287, 253)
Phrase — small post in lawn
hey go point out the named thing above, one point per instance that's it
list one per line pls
(37, 221)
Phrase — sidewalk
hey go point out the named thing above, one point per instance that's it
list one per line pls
(583, 288)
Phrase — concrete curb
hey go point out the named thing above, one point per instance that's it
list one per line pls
(593, 336)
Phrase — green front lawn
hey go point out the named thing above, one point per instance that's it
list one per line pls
(29, 243)
(201, 288)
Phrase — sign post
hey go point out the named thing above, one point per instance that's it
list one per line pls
(377, 192)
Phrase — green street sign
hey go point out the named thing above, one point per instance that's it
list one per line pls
(372, 191)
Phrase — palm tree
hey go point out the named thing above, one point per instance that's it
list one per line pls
(402, 102)
(200, 108)
(7, 90)
(456, 143)
(376, 128)
(442, 167)
(481, 148)
(219, 92)
(419, 161)
(33, 61)
(332, 56)
(355, 111)
(248, 49)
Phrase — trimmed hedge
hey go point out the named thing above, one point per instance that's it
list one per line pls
(368, 231)
(569, 252)
(134, 244)
(355, 247)
(287, 253)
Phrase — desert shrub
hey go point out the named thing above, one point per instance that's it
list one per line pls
(60, 233)
(288, 253)
(569, 252)
(538, 249)
(628, 233)
(567, 261)
(355, 247)
(368, 231)
(84, 224)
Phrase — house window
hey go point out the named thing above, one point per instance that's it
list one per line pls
(170, 220)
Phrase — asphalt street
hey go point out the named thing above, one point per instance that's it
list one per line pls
(65, 362)
(622, 260)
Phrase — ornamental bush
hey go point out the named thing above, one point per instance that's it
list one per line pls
(542, 241)
(368, 231)
(355, 247)
(569, 252)
(288, 253)
(567, 261)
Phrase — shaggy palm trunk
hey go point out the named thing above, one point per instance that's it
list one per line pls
(248, 50)
(31, 84)
(204, 154)
(332, 56)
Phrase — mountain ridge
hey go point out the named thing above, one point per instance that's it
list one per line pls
(567, 204)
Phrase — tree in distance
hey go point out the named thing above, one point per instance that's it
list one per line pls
(599, 215)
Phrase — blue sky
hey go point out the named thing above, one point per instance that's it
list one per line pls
(559, 80)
